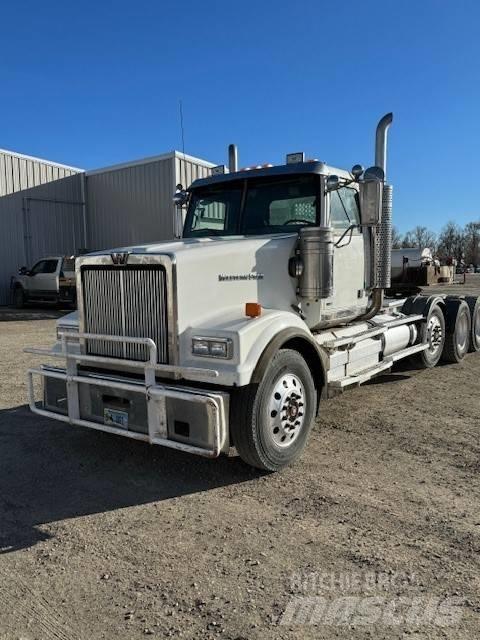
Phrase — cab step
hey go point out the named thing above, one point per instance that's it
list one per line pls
(366, 375)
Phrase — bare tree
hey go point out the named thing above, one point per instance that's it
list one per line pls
(471, 237)
(424, 238)
(408, 241)
(451, 242)
(396, 238)
(420, 237)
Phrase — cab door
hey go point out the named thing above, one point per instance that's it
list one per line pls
(349, 255)
(43, 279)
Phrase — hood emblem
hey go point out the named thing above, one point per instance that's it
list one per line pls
(119, 259)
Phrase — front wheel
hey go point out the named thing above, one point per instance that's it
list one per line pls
(19, 298)
(271, 421)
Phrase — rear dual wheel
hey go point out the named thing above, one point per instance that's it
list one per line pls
(458, 321)
(271, 421)
(474, 306)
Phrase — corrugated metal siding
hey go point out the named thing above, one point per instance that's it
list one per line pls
(36, 222)
(130, 205)
(19, 172)
(133, 204)
(188, 170)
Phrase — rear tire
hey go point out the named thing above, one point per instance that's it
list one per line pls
(474, 306)
(271, 421)
(19, 298)
(432, 332)
(458, 330)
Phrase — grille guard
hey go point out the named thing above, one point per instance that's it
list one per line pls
(155, 394)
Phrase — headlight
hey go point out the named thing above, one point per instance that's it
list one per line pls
(213, 347)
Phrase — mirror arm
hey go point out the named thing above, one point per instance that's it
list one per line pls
(348, 229)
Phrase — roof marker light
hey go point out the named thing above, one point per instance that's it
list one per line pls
(295, 158)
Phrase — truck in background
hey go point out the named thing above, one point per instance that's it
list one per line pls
(51, 279)
(232, 336)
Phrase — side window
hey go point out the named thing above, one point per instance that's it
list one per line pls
(344, 208)
(50, 266)
(38, 268)
(45, 266)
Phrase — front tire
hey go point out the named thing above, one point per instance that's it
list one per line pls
(271, 421)
(18, 298)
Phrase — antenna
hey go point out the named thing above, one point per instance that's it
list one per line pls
(180, 106)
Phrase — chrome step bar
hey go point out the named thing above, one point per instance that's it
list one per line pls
(384, 365)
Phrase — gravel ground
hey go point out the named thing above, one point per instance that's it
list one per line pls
(103, 537)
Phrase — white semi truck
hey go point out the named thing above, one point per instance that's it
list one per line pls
(230, 337)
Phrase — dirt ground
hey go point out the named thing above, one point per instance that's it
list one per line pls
(104, 537)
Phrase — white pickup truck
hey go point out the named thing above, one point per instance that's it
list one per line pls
(51, 279)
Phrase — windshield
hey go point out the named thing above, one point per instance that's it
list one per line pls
(255, 207)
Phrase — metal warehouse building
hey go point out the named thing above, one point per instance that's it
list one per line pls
(48, 208)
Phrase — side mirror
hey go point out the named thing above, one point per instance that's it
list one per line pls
(333, 183)
(180, 197)
(371, 192)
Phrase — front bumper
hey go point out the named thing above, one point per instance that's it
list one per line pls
(175, 416)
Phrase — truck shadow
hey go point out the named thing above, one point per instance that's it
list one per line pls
(50, 471)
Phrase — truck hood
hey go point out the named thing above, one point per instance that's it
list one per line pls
(175, 247)
(216, 276)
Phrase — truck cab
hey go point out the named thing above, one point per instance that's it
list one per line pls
(282, 201)
(51, 279)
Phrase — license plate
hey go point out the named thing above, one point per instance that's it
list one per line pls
(115, 418)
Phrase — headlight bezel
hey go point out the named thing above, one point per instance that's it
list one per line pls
(212, 347)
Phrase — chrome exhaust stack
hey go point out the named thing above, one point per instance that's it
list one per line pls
(384, 233)
(232, 158)
(381, 142)
(381, 235)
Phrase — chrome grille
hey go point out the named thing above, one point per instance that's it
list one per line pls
(126, 301)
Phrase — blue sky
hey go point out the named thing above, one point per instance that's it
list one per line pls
(96, 83)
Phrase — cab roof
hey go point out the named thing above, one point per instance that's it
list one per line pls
(298, 168)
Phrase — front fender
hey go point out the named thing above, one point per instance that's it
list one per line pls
(255, 341)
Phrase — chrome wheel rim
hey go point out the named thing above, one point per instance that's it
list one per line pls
(286, 410)
(435, 335)
(462, 332)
